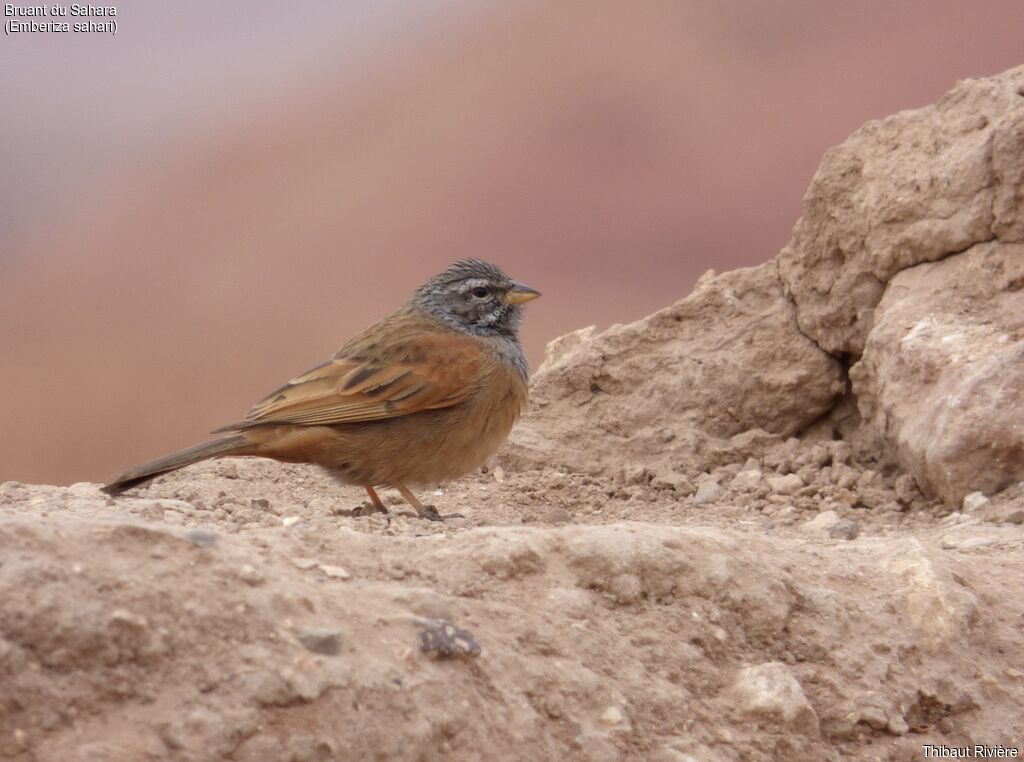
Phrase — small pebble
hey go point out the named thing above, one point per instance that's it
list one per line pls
(846, 529)
(975, 502)
(250, 575)
(128, 619)
(785, 485)
(823, 522)
(955, 518)
(440, 639)
(708, 492)
(167, 504)
(975, 542)
(201, 537)
(612, 716)
(290, 521)
(321, 640)
(335, 572)
(556, 515)
(499, 474)
(673, 481)
(747, 479)
(84, 489)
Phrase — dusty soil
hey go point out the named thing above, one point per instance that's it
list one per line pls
(233, 611)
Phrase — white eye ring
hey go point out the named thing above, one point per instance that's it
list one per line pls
(479, 292)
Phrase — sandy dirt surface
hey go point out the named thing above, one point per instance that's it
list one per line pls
(234, 611)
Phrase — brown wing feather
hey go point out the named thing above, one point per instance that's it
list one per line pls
(375, 377)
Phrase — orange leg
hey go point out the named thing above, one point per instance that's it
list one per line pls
(424, 511)
(410, 498)
(375, 499)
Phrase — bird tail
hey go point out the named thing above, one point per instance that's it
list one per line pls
(234, 445)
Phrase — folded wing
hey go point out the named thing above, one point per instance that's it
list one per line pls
(425, 372)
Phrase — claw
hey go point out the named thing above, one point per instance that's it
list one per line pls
(365, 508)
(427, 512)
(430, 513)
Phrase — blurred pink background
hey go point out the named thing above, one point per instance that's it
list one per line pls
(214, 199)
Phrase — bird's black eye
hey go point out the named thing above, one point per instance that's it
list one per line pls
(479, 292)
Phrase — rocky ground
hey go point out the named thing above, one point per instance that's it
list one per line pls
(780, 519)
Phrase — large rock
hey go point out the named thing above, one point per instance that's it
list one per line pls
(938, 382)
(726, 359)
(942, 376)
(912, 188)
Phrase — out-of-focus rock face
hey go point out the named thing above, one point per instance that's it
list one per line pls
(727, 359)
(912, 188)
(942, 376)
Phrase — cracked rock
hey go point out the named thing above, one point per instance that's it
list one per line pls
(941, 381)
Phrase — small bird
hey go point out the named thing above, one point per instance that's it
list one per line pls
(424, 396)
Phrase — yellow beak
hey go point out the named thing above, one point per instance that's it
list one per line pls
(519, 294)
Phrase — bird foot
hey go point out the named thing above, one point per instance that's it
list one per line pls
(430, 513)
(365, 508)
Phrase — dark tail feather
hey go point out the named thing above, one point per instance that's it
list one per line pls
(236, 445)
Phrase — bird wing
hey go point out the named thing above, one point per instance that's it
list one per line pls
(374, 378)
